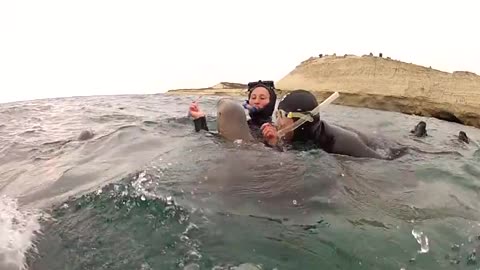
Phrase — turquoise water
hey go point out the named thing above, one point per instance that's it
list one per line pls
(147, 192)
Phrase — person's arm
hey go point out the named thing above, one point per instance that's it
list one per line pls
(199, 119)
(200, 123)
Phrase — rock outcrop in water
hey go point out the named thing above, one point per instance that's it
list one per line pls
(378, 83)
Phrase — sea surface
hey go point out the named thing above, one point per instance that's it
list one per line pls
(148, 192)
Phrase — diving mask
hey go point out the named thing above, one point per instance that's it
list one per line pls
(307, 116)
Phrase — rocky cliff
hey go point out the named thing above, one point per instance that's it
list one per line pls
(386, 84)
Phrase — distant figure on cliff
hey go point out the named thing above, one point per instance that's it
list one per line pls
(371, 54)
(380, 55)
(260, 105)
(320, 55)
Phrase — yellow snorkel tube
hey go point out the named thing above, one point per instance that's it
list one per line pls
(306, 117)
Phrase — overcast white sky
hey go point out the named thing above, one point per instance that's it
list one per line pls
(67, 48)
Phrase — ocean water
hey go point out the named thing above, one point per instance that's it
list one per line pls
(147, 192)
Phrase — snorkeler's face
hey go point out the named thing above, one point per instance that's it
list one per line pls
(283, 122)
(259, 98)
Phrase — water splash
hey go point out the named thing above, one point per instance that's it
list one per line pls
(18, 231)
(422, 239)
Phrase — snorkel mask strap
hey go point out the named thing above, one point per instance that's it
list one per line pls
(306, 117)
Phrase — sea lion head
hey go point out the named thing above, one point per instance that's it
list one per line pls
(420, 129)
(232, 121)
(462, 136)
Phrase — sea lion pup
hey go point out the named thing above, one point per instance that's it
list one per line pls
(462, 136)
(232, 121)
(420, 129)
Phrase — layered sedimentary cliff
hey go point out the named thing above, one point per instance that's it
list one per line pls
(385, 84)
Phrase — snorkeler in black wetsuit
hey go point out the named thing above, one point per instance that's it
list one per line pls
(314, 133)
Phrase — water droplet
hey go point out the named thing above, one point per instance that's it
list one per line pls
(145, 266)
(294, 202)
(343, 175)
(194, 255)
(455, 247)
(422, 239)
(454, 261)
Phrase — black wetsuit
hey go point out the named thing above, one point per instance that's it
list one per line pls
(332, 139)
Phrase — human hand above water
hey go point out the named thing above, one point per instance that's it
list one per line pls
(195, 111)
(269, 133)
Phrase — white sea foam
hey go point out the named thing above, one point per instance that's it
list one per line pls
(19, 229)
